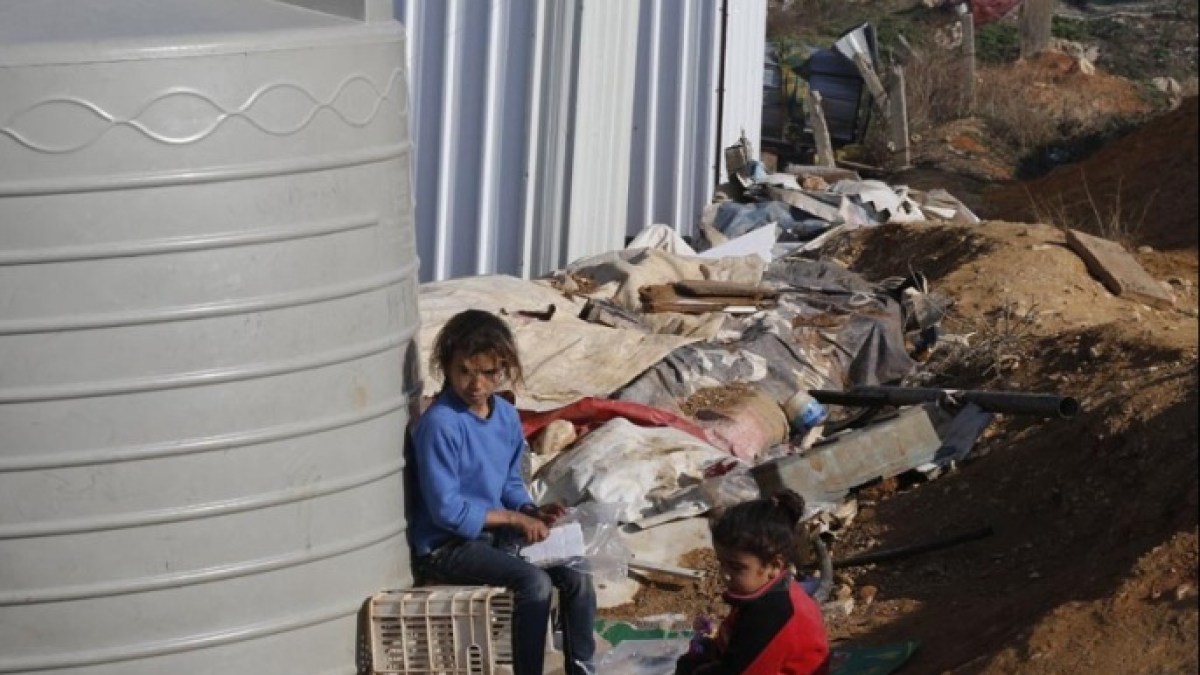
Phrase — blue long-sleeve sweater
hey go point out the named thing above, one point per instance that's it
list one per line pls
(466, 466)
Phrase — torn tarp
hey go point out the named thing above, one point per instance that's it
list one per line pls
(620, 463)
(619, 274)
(937, 203)
(888, 204)
(829, 327)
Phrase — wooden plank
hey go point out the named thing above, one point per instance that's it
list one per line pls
(704, 288)
(1111, 263)
(820, 130)
(898, 120)
(968, 56)
(874, 84)
(648, 566)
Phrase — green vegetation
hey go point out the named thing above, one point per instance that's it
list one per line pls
(1070, 29)
(998, 42)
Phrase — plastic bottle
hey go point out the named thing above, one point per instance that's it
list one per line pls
(804, 412)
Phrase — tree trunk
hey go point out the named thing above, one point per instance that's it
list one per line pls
(1035, 21)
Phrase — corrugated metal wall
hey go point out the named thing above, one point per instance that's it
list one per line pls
(546, 130)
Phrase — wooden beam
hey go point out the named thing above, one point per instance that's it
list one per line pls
(874, 85)
(820, 130)
(968, 58)
(647, 566)
(898, 119)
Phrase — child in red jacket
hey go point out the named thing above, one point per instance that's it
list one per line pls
(773, 627)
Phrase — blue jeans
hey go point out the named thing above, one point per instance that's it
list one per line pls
(482, 562)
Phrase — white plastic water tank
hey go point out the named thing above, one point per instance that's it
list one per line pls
(207, 313)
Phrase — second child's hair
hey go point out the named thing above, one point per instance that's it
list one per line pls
(765, 528)
(473, 332)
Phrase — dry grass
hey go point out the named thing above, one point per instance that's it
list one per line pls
(934, 94)
(992, 349)
(1042, 102)
(1013, 119)
(1111, 218)
(936, 91)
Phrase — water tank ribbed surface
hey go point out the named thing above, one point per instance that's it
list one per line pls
(207, 318)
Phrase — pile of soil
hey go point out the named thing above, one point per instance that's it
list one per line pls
(1093, 564)
(1026, 108)
(1145, 182)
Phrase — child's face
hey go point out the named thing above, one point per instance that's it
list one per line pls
(475, 378)
(745, 573)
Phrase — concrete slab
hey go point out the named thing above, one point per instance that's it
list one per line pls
(835, 465)
(1109, 262)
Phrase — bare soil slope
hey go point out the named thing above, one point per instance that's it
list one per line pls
(1092, 567)
(1145, 181)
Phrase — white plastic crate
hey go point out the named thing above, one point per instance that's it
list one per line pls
(442, 630)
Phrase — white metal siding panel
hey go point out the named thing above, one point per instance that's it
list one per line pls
(545, 130)
(746, 38)
(553, 111)
(604, 112)
(676, 149)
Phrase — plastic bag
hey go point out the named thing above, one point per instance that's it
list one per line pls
(606, 556)
(643, 657)
(732, 488)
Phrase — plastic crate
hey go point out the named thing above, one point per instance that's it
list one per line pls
(442, 630)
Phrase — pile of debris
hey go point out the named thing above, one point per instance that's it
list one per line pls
(663, 382)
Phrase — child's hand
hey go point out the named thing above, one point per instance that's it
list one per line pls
(550, 513)
(701, 641)
(532, 529)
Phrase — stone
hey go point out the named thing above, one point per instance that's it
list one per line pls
(866, 595)
(843, 607)
(1117, 270)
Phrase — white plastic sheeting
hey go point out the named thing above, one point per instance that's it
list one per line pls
(546, 130)
(564, 358)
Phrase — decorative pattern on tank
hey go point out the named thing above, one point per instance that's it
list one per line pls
(183, 116)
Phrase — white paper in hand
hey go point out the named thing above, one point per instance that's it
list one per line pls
(565, 542)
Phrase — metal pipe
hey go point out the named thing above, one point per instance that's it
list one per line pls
(1015, 403)
(906, 551)
(826, 567)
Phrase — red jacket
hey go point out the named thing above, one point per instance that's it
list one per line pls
(776, 631)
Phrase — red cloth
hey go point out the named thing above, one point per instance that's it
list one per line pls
(588, 413)
(984, 12)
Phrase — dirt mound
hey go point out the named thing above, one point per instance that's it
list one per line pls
(1092, 567)
(1022, 110)
(1055, 81)
(1140, 187)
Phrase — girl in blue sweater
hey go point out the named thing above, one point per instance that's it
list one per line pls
(472, 502)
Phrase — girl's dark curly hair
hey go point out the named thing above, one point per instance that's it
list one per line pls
(473, 332)
(765, 528)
